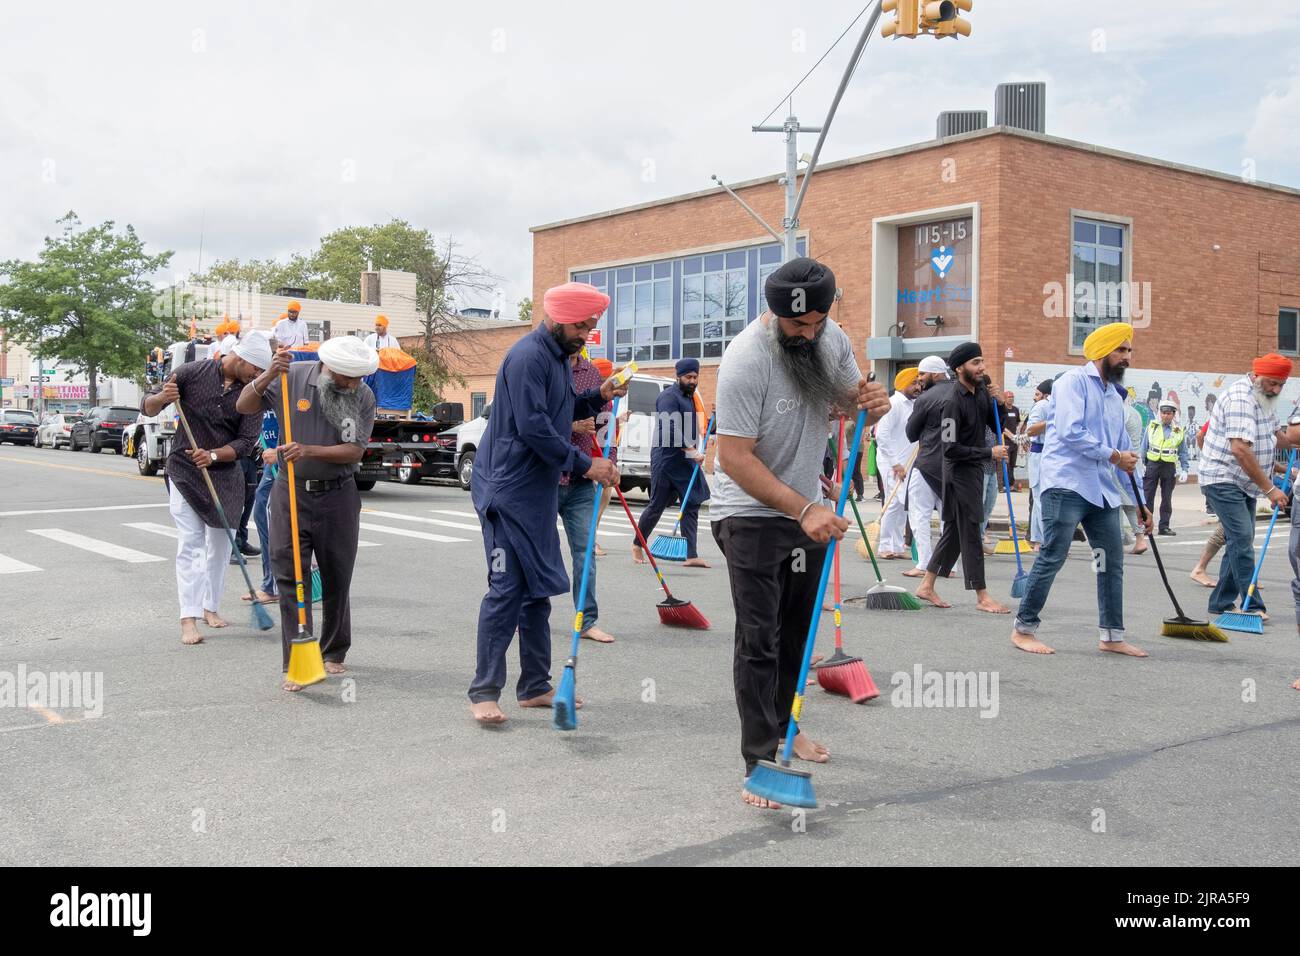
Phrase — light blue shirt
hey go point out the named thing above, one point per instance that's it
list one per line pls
(1085, 426)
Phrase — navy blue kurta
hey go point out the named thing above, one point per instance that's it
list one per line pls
(678, 427)
(524, 451)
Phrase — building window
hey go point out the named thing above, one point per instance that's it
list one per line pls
(643, 314)
(1099, 296)
(715, 302)
(477, 402)
(1288, 331)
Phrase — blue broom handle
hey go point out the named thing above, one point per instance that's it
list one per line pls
(691, 484)
(1250, 591)
(591, 540)
(1006, 482)
(821, 594)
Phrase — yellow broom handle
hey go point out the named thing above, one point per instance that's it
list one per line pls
(901, 481)
(293, 505)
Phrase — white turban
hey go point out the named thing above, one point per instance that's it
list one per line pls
(349, 356)
(228, 344)
(933, 363)
(255, 350)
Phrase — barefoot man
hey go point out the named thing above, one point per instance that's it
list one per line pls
(778, 381)
(893, 454)
(516, 493)
(208, 392)
(966, 411)
(925, 480)
(1086, 454)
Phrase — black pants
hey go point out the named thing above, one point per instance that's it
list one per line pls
(1162, 476)
(774, 570)
(857, 476)
(961, 538)
(329, 523)
(252, 475)
(663, 494)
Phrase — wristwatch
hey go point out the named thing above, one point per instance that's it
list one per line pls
(1293, 420)
(212, 456)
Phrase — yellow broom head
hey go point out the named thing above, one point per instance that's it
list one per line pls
(1007, 546)
(306, 666)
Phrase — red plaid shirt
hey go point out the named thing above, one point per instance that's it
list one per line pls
(586, 377)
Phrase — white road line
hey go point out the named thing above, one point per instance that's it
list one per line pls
(458, 514)
(406, 533)
(367, 544)
(402, 517)
(166, 530)
(106, 548)
(14, 566)
(64, 511)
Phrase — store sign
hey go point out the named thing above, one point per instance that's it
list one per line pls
(936, 277)
(67, 391)
(6, 382)
(593, 337)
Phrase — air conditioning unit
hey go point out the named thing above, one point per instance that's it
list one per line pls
(1022, 105)
(956, 122)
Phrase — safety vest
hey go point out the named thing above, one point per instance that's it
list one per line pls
(1160, 448)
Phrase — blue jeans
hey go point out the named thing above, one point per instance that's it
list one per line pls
(261, 520)
(1236, 513)
(990, 499)
(1064, 510)
(577, 499)
(1295, 558)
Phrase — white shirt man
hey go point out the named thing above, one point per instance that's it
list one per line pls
(379, 338)
(893, 451)
(291, 331)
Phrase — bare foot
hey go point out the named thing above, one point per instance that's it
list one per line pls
(488, 712)
(811, 664)
(914, 573)
(213, 619)
(695, 563)
(290, 686)
(545, 700)
(805, 748)
(892, 555)
(334, 667)
(757, 801)
(990, 606)
(261, 597)
(594, 633)
(1141, 547)
(928, 594)
(1027, 642)
(190, 631)
(600, 552)
(1122, 647)
(1296, 685)
(1200, 577)
(638, 556)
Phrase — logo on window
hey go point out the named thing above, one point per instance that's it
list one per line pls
(940, 261)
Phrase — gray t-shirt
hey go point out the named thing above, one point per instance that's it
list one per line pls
(756, 399)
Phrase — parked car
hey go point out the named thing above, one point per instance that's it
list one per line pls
(18, 426)
(637, 437)
(56, 430)
(102, 428)
(469, 435)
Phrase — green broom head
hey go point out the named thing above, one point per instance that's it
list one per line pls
(886, 597)
(262, 619)
(306, 666)
(1019, 584)
(668, 547)
(1185, 627)
(564, 706)
(781, 783)
(1248, 622)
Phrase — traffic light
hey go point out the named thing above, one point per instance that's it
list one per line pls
(906, 21)
(941, 19)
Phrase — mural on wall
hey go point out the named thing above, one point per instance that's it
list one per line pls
(1195, 393)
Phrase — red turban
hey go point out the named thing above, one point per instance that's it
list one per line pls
(604, 366)
(1272, 365)
(574, 302)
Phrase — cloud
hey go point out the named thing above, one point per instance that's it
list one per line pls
(1274, 134)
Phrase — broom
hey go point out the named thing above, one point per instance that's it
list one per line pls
(839, 673)
(1245, 620)
(882, 596)
(1020, 581)
(1181, 625)
(261, 619)
(306, 666)
(564, 706)
(673, 612)
(779, 782)
(874, 527)
(672, 547)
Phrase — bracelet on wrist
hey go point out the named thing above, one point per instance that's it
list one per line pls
(805, 510)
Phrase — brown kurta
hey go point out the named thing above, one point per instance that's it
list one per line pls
(210, 411)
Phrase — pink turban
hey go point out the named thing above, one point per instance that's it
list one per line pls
(574, 302)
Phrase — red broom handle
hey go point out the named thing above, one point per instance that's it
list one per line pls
(839, 473)
(635, 527)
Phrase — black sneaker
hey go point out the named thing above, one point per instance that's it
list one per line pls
(250, 550)
(1167, 532)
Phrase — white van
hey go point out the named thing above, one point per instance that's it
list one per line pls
(637, 437)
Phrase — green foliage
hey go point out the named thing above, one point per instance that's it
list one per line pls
(526, 309)
(431, 376)
(267, 274)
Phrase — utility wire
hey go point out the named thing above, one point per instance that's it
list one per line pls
(787, 96)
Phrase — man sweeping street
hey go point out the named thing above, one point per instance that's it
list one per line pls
(207, 393)
(1086, 454)
(778, 381)
(526, 447)
(332, 413)
(893, 452)
(966, 412)
(924, 487)
(1164, 452)
(672, 462)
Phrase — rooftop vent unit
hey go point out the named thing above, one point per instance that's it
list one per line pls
(1022, 105)
(956, 122)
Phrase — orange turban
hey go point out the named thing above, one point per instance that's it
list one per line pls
(604, 366)
(232, 327)
(1272, 365)
(382, 321)
(293, 306)
(574, 302)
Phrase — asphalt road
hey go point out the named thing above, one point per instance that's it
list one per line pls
(199, 758)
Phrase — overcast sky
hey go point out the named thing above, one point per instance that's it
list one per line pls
(272, 124)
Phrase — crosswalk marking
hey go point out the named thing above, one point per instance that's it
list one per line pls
(14, 566)
(407, 533)
(64, 511)
(438, 521)
(166, 530)
(105, 548)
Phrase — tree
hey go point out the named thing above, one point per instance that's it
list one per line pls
(526, 309)
(87, 301)
(344, 254)
(267, 274)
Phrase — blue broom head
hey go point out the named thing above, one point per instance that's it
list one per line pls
(564, 708)
(783, 785)
(1246, 622)
(1018, 585)
(261, 619)
(668, 547)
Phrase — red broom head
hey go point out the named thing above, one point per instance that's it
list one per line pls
(677, 613)
(850, 678)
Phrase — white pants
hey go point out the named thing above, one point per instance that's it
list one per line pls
(202, 558)
(921, 504)
(894, 519)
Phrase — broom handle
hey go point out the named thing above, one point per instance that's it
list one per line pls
(595, 447)
(694, 474)
(1254, 578)
(857, 515)
(1154, 550)
(839, 473)
(591, 543)
(1006, 482)
(293, 509)
(907, 470)
(796, 709)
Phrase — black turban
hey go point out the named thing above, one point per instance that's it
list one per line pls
(1045, 386)
(816, 281)
(963, 354)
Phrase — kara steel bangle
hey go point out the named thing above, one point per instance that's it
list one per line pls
(805, 510)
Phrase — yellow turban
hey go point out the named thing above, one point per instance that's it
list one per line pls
(293, 306)
(905, 378)
(1106, 340)
(220, 330)
(381, 320)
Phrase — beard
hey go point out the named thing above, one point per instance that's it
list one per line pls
(567, 346)
(1266, 402)
(340, 406)
(805, 363)
(688, 390)
(1115, 373)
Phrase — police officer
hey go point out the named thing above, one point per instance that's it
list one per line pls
(1164, 453)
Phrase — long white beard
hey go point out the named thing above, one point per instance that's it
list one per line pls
(1267, 403)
